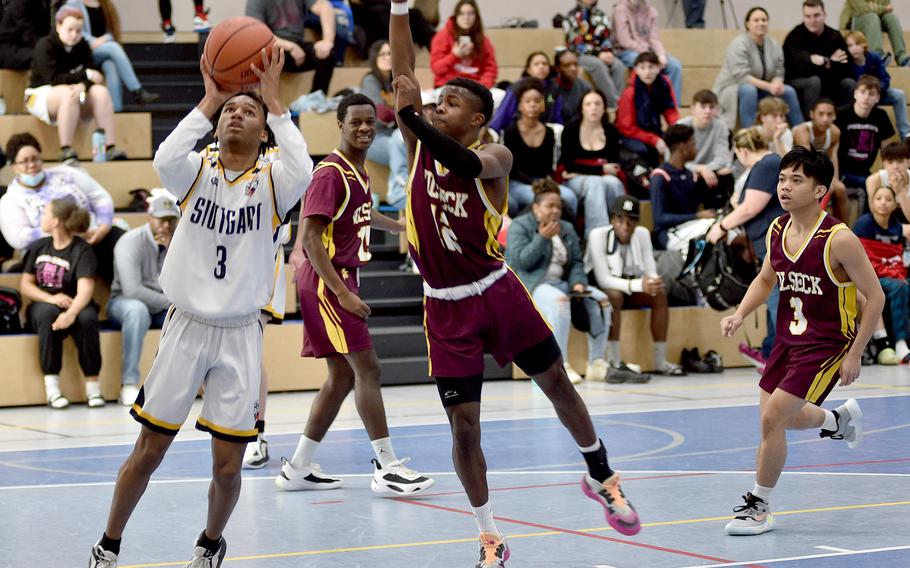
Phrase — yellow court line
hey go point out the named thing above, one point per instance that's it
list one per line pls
(521, 535)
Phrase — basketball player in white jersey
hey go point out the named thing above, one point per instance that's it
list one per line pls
(218, 274)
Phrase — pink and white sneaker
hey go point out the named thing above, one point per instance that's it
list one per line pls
(753, 356)
(493, 551)
(619, 511)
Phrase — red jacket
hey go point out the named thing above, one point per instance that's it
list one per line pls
(446, 66)
(626, 121)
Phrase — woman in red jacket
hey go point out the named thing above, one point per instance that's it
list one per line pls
(460, 49)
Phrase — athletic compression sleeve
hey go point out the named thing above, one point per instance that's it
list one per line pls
(446, 150)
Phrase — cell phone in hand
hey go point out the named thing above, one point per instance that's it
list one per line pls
(464, 40)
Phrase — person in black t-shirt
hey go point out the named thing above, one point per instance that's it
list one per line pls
(863, 128)
(58, 277)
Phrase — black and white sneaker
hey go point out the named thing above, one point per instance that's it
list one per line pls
(397, 479)
(256, 454)
(205, 558)
(102, 558)
(849, 424)
(307, 478)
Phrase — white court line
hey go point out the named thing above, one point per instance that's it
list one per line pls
(835, 549)
(807, 557)
(452, 473)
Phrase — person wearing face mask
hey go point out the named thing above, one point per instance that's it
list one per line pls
(137, 302)
(35, 186)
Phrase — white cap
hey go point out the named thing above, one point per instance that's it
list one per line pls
(162, 203)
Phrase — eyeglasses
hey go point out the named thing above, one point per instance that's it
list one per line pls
(36, 160)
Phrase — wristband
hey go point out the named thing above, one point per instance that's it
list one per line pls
(399, 8)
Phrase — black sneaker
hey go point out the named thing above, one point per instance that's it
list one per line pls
(691, 362)
(205, 558)
(115, 154)
(69, 157)
(715, 361)
(143, 97)
(623, 374)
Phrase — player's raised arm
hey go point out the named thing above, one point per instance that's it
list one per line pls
(847, 252)
(756, 294)
(403, 59)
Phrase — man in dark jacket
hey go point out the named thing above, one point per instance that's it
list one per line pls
(816, 59)
(22, 24)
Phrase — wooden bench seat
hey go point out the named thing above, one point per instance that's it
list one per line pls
(134, 134)
(12, 89)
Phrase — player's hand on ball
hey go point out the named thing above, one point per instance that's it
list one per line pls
(351, 302)
(212, 90)
(849, 369)
(730, 324)
(269, 76)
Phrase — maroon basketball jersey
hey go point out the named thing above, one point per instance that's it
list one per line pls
(452, 226)
(339, 193)
(814, 306)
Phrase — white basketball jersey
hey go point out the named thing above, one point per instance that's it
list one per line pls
(221, 262)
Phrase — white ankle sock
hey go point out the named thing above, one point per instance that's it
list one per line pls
(52, 384)
(660, 354)
(484, 517)
(383, 450)
(879, 334)
(592, 448)
(830, 422)
(303, 455)
(613, 355)
(763, 493)
(92, 389)
(900, 347)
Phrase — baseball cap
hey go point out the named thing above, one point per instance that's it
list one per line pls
(162, 203)
(626, 205)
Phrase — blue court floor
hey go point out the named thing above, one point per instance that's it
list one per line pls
(685, 447)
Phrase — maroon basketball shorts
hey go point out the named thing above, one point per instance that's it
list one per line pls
(327, 327)
(502, 321)
(806, 371)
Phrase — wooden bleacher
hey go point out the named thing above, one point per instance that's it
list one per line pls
(134, 134)
(12, 89)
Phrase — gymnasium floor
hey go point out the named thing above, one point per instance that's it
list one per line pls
(685, 447)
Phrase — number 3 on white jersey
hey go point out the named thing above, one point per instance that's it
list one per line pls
(800, 324)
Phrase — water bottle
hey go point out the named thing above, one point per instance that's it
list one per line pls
(2, 106)
(99, 151)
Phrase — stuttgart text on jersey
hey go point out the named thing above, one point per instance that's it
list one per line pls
(210, 215)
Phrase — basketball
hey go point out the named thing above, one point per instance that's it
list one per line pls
(232, 46)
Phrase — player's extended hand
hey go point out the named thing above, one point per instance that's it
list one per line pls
(63, 321)
(849, 369)
(406, 91)
(213, 92)
(730, 324)
(351, 302)
(269, 76)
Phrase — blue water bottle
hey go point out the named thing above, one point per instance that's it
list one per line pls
(99, 151)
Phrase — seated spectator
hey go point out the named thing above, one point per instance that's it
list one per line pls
(58, 278)
(864, 62)
(895, 175)
(570, 88)
(200, 19)
(884, 237)
(713, 162)
(816, 59)
(373, 16)
(648, 97)
(864, 127)
(755, 206)
(674, 196)
(622, 260)
(871, 17)
(753, 69)
(589, 156)
(533, 146)
(635, 28)
(460, 48)
(137, 302)
(22, 24)
(587, 30)
(34, 187)
(537, 67)
(65, 87)
(286, 19)
(820, 134)
(772, 123)
(344, 28)
(546, 255)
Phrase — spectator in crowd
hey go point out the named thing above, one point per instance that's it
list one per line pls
(373, 16)
(816, 59)
(755, 206)
(821, 134)
(884, 237)
(713, 162)
(871, 17)
(895, 174)
(22, 24)
(537, 67)
(589, 156)
(460, 48)
(570, 88)
(533, 146)
(622, 259)
(865, 62)
(864, 127)
(772, 122)
(695, 13)
(646, 99)
(547, 257)
(65, 86)
(635, 27)
(58, 277)
(344, 28)
(34, 187)
(286, 19)
(137, 302)
(674, 196)
(200, 19)
(587, 30)
(753, 69)
(101, 29)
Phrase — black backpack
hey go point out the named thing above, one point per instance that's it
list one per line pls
(10, 306)
(723, 271)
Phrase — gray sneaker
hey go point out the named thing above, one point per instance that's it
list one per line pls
(623, 374)
(849, 424)
(205, 558)
(102, 558)
(753, 518)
